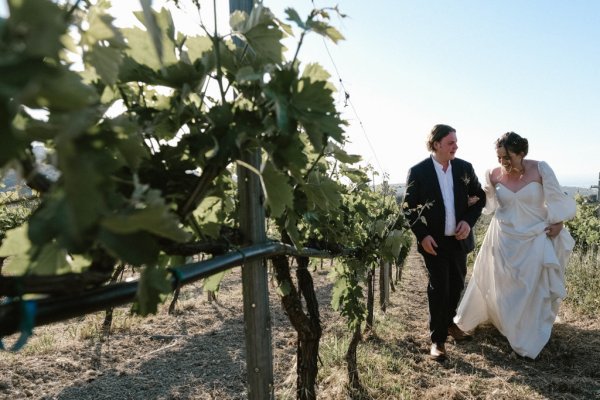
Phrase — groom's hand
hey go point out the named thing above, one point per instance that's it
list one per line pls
(462, 230)
(429, 245)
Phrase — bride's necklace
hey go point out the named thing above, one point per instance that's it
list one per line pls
(520, 172)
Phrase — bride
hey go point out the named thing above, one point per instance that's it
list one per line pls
(518, 276)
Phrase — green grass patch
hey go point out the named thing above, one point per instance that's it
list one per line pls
(583, 282)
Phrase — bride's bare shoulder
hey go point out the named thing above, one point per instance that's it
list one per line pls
(495, 175)
(532, 169)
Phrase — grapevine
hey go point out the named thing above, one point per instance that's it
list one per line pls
(154, 181)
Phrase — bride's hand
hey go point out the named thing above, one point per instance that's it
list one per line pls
(553, 230)
(472, 200)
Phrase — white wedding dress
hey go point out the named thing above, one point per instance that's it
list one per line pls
(518, 277)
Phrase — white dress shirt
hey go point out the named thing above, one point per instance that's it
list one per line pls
(447, 186)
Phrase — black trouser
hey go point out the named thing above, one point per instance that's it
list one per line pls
(447, 273)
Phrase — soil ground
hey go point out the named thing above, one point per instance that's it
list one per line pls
(198, 353)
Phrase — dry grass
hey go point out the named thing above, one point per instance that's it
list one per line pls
(583, 282)
(395, 364)
(199, 354)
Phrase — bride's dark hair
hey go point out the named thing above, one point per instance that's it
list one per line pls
(513, 142)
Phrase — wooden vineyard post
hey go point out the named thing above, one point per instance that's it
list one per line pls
(598, 195)
(384, 267)
(384, 284)
(257, 319)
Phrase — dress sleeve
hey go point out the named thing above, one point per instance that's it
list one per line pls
(490, 194)
(560, 206)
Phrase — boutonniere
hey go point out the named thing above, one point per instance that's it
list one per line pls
(466, 180)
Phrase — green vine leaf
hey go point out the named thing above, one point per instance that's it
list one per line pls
(316, 73)
(325, 30)
(129, 141)
(292, 15)
(312, 104)
(136, 248)
(141, 48)
(106, 61)
(213, 282)
(339, 291)
(248, 74)
(379, 228)
(341, 155)
(260, 31)
(198, 48)
(322, 192)
(284, 288)
(101, 27)
(356, 175)
(161, 31)
(60, 90)
(208, 215)
(393, 244)
(279, 192)
(51, 260)
(277, 91)
(16, 247)
(156, 217)
(291, 227)
(40, 25)
(153, 287)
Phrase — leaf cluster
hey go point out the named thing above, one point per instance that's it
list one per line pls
(585, 227)
(146, 130)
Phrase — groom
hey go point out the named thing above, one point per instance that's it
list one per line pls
(441, 217)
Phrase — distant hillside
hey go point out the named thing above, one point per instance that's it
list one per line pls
(585, 192)
(572, 191)
(11, 182)
(399, 189)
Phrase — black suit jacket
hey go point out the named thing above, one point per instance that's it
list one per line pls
(423, 189)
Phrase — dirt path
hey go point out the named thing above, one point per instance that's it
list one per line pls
(199, 354)
(486, 367)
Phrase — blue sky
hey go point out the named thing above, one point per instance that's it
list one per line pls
(484, 67)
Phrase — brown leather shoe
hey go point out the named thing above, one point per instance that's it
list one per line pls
(438, 351)
(458, 334)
